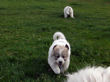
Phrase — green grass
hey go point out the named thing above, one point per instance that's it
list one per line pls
(26, 30)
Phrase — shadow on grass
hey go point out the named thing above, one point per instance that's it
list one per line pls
(61, 16)
(2, 8)
(76, 4)
(35, 67)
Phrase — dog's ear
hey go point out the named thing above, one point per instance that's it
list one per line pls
(54, 46)
(67, 46)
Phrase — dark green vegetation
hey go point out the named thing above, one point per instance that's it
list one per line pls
(26, 30)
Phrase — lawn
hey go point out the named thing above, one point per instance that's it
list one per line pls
(26, 32)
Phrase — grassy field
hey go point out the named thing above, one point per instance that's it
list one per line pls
(26, 30)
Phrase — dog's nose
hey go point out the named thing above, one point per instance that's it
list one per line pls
(60, 62)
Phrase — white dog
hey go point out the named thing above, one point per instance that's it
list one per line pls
(94, 74)
(59, 53)
(68, 11)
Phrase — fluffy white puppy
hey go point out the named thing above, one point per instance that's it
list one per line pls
(59, 53)
(90, 74)
(68, 11)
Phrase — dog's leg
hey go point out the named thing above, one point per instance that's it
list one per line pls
(66, 65)
(62, 70)
(71, 15)
(56, 68)
(65, 15)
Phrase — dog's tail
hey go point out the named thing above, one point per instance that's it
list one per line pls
(58, 35)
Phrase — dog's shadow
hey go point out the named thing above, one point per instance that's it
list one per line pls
(61, 16)
(35, 67)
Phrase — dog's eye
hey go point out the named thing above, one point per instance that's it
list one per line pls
(58, 56)
(63, 56)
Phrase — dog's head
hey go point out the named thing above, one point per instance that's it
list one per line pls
(60, 54)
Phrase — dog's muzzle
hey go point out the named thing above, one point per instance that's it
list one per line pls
(60, 64)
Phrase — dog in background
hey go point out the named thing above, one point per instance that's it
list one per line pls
(59, 53)
(68, 11)
(90, 74)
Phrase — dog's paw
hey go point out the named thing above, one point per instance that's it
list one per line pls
(57, 72)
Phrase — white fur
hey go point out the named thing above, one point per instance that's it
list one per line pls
(90, 74)
(58, 35)
(68, 11)
(59, 39)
